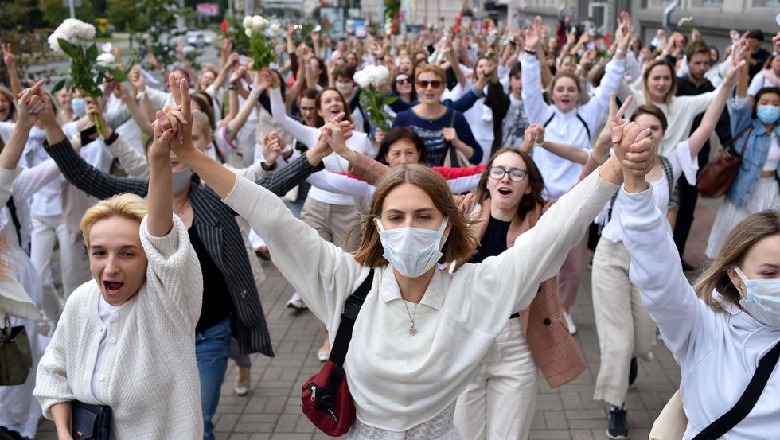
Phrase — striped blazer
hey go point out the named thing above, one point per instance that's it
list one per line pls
(216, 225)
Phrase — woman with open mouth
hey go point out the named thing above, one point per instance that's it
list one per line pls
(571, 126)
(499, 402)
(231, 305)
(124, 340)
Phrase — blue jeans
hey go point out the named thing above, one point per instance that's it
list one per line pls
(212, 348)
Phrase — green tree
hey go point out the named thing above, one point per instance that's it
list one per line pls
(124, 15)
(55, 12)
(19, 13)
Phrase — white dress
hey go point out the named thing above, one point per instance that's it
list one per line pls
(764, 197)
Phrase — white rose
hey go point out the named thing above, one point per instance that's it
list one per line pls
(361, 78)
(54, 44)
(382, 74)
(257, 22)
(274, 28)
(106, 59)
(247, 22)
(248, 32)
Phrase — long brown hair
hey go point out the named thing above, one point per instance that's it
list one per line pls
(529, 201)
(672, 90)
(460, 241)
(739, 242)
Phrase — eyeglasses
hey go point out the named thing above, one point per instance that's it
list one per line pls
(515, 174)
(423, 84)
(402, 81)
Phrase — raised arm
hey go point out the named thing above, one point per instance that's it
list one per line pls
(307, 135)
(262, 79)
(81, 174)
(710, 119)
(10, 64)
(533, 95)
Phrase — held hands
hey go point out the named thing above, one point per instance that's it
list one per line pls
(137, 79)
(272, 147)
(738, 62)
(31, 105)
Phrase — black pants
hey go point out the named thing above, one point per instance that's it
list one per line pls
(689, 195)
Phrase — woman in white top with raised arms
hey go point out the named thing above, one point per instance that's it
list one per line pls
(401, 367)
(720, 328)
(125, 338)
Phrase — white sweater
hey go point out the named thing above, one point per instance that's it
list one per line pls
(718, 353)
(399, 381)
(151, 382)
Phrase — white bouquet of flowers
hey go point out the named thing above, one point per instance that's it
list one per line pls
(371, 79)
(259, 30)
(75, 32)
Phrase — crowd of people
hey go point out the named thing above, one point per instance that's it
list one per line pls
(510, 152)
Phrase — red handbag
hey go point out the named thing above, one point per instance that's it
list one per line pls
(325, 399)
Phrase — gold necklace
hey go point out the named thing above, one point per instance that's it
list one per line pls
(412, 328)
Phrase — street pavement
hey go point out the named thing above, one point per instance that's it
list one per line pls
(272, 408)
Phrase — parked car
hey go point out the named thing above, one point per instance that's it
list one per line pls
(197, 39)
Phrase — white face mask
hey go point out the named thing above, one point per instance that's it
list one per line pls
(181, 180)
(763, 299)
(412, 251)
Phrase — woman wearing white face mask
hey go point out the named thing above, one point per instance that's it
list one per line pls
(403, 372)
(757, 139)
(230, 298)
(720, 337)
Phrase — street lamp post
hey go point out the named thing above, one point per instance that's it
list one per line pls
(72, 9)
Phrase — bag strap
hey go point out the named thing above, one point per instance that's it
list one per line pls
(351, 309)
(669, 174)
(746, 131)
(579, 117)
(452, 151)
(747, 401)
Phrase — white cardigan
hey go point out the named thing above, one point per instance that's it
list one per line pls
(152, 382)
(718, 353)
(399, 381)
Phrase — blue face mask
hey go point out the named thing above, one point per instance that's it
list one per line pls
(79, 107)
(412, 251)
(762, 300)
(768, 114)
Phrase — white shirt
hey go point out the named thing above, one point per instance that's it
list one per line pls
(399, 381)
(308, 136)
(681, 163)
(718, 353)
(112, 328)
(565, 127)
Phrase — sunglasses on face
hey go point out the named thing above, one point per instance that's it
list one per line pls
(402, 81)
(515, 174)
(423, 84)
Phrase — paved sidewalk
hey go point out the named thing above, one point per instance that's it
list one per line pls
(272, 409)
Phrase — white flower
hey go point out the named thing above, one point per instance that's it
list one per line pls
(361, 78)
(274, 28)
(106, 59)
(382, 74)
(247, 22)
(257, 22)
(73, 31)
(248, 32)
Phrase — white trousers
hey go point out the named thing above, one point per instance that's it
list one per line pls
(623, 325)
(73, 260)
(500, 401)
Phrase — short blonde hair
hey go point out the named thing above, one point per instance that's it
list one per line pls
(126, 205)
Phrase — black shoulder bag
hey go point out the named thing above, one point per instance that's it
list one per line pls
(746, 402)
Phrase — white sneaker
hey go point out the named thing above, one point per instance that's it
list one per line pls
(570, 323)
(296, 302)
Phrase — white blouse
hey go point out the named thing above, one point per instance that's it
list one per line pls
(399, 381)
